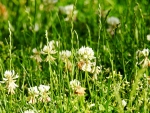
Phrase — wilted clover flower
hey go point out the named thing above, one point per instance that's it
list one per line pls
(9, 80)
(33, 94)
(43, 91)
(75, 85)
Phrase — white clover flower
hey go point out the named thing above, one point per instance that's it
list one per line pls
(29, 111)
(10, 81)
(10, 75)
(86, 53)
(33, 91)
(145, 62)
(44, 93)
(11, 87)
(50, 1)
(65, 54)
(113, 21)
(36, 55)
(148, 37)
(145, 52)
(69, 11)
(43, 88)
(86, 67)
(124, 103)
(33, 94)
(74, 84)
(49, 50)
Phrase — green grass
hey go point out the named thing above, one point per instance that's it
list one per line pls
(33, 24)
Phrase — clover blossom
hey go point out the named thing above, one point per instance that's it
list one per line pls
(9, 80)
(76, 87)
(112, 22)
(148, 37)
(74, 84)
(49, 50)
(43, 91)
(29, 111)
(38, 93)
(69, 11)
(65, 55)
(33, 94)
(143, 56)
(86, 53)
(36, 55)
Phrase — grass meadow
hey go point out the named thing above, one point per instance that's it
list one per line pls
(74, 56)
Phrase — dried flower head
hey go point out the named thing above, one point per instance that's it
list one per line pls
(3, 12)
(80, 91)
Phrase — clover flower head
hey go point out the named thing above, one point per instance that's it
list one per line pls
(145, 52)
(124, 103)
(50, 48)
(148, 37)
(65, 54)
(33, 91)
(50, 1)
(80, 91)
(43, 88)
(36, 55)
(9, 80)
(29, 111)
(86, 53)
(33, 94)
(113, 21)
(74, 84)
(44, 97)
(69, 11)
(87, 67)
(10, 75)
